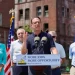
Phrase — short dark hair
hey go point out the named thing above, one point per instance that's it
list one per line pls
(36, 17)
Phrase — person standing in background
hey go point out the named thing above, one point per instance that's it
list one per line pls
(3, 58)
(72, 57)
(15, 49)
(61, 51)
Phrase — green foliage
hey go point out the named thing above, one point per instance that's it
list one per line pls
(67, 69)
(27, 28)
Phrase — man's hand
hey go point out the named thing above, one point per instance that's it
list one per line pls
(63, 60)
(54, 50)
(12, 64)
(25, 36)
(24, 47)
(0, 68)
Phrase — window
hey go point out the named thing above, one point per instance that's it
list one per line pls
(46, 11)
(38, 11)
(63, 11)
(19, 1)
(45, 28)
(27, 14)
(20, 14)
(67, 12)
(74, 1)
(0, 19)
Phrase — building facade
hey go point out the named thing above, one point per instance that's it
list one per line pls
(5, 6)
(58, 15)
(66, 22)
(25, 10)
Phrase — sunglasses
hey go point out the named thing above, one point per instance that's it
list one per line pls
(53, 36)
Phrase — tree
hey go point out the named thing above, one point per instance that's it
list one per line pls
(27, 28)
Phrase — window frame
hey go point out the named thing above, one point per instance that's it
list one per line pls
(19, 1)
(27, 14)
(46, 11)
(20, 15)
(45, 27)
(0, 19)
(38, 11)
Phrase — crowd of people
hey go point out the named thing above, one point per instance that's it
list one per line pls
(25, 44)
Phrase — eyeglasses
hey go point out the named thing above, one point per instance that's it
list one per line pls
(36, 22)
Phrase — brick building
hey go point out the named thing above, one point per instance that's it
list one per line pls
(56, 15)
(25, 10)
(5, 6)
(51, 13)
(66, 22)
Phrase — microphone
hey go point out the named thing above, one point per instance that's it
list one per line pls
(43, 41)
(36, 40)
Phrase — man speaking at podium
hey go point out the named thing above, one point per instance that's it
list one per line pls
(38, 43)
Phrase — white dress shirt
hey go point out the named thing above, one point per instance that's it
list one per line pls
(15, 49)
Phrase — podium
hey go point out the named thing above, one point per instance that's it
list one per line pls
(38, 62)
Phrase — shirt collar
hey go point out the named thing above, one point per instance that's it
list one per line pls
(37, 35)
(19, 41)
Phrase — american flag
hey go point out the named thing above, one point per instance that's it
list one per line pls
(7, 67)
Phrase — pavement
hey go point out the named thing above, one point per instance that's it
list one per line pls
(65, 74)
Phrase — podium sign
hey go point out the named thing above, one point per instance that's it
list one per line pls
(38, 60)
